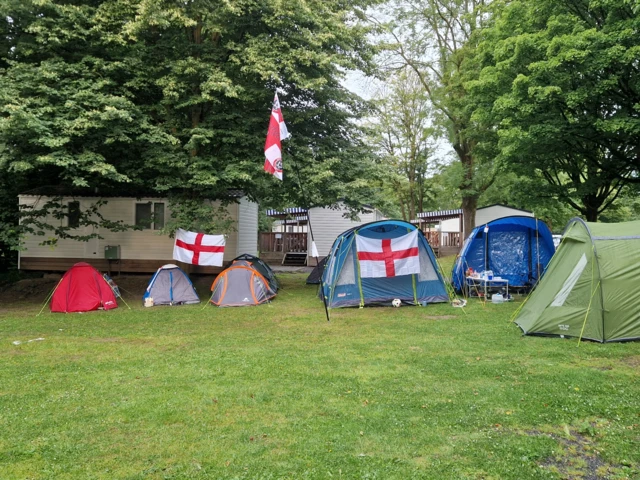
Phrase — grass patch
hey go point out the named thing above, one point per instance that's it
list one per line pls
(277, 392)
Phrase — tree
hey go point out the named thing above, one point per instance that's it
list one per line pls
(405, 140)
(138, 96)
(431, 38)
(560, 85)
(528, 192)
(218, 64)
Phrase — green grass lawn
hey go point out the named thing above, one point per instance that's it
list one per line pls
(277, 392)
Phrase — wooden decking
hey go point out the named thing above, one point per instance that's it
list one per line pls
(443, 244)
(283, 242)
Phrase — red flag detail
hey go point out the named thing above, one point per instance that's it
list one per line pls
(273, 146)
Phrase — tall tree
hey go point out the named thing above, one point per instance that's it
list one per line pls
(405, 139)
(560, 85)
(430, 37)
(137, 96)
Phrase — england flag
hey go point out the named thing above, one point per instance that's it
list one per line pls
(273, 146)
(388, 257)
(198, 248)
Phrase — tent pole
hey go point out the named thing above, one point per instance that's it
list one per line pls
(120, 296)
(586, 315)
(530, 274)
(486, 248)
(537, 250)
(49, 297)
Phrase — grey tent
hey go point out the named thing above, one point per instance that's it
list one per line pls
(262, 267)
(241, 285)
(170, 286)
(315, 277)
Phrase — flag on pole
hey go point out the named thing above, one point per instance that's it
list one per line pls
(272, 147)
(388, 257)
(198, 248)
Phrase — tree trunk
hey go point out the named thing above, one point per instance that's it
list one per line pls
(402, 207)
(469, 206)
(412, 203)
(469, 193)
(591, 207)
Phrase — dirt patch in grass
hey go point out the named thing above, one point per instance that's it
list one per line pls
(632, 361)
(108, 340)
(577, 458)
(439, 317)
(15, 351)
(134, 341)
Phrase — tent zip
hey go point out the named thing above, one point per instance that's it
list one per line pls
(586, 315)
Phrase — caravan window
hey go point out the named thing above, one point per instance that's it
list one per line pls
(73, 215)
(158, 216)
(143, 215)
(150, 215)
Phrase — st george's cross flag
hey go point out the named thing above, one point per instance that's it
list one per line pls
(388, 257)
(273, 147)
(198, 248)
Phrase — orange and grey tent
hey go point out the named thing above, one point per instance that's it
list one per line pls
(240, 285)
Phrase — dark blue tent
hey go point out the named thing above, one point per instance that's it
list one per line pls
(342, 285)
(517, 249)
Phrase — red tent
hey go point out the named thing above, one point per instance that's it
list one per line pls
(82, 289)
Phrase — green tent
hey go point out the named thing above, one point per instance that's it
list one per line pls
(591, 288)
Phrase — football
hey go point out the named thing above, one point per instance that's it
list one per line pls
(396, 302)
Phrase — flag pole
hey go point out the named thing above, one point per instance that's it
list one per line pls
(273, 164)
(314, 250)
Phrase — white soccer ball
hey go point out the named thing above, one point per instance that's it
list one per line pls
(396, 302)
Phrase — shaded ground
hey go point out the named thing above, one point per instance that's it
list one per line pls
(132, 286)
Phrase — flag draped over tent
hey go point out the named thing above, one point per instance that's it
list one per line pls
(198, 248)
(343, 284)
(388, 257)
(273, 147)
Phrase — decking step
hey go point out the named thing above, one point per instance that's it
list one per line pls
(295, 259)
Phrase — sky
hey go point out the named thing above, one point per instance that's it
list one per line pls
(366, 87)
(359, 83)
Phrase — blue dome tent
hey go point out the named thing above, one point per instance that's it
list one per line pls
(344, 286)
(517, 249)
